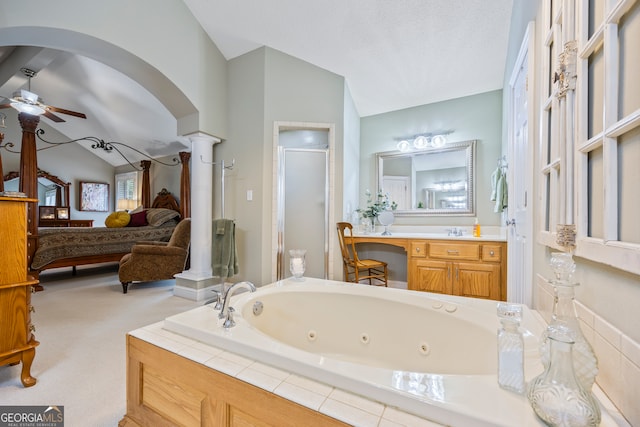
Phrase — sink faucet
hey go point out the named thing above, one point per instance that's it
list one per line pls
(455, 231)
(227, 312)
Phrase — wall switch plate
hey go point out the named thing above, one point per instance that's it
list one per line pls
(249, 195)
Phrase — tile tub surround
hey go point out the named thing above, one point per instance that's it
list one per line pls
(319, 396)
(618, 356)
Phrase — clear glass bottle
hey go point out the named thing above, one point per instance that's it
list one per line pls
(564, 314)
(510, 348)
(556, 395)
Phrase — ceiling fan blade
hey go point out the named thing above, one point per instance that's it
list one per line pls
(49, 115)
(63, 111)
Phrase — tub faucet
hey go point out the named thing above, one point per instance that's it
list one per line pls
(227, 312)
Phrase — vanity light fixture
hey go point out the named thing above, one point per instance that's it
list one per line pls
(421, 142)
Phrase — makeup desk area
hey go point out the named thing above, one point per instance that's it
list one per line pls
(455, 265)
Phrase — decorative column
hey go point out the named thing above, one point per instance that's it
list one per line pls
(1, 173)
(185, 185)
(29, 167)
(196, 283)
(146, 186)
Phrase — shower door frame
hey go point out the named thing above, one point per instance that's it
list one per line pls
(278, 267)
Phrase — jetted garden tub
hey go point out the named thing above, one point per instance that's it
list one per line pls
(431, 355)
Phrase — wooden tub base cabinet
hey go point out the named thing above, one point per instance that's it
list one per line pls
(165, 389)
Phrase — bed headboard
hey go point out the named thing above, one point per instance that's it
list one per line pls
(165, 199)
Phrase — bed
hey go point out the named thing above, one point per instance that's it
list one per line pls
(69, 246)
(73, 246)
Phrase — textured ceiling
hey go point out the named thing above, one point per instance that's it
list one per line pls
(393, 55)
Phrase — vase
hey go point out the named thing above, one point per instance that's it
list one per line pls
(556, 395)
(368, 224)
(564, 315)
(297, 263)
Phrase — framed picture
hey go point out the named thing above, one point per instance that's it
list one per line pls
(94, 196)
(62, 213)
(47, 212)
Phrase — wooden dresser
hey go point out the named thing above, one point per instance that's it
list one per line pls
(65, 223)
(17, 342)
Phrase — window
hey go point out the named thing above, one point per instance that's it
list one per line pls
(127, 191)
(555, 144)
(592, 134)
(608, 141)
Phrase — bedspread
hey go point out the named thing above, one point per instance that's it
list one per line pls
(61, 242)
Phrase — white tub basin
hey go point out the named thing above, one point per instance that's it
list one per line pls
(434, 356)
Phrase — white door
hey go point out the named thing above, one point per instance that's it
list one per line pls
(520, 167)
(397, 187)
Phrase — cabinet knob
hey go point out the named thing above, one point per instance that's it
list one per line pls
(492, 253)
(418, 250)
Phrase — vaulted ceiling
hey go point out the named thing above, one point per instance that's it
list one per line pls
(393, 55)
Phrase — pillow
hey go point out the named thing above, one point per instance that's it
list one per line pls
(138, 219)
(117, 219)
(158, 216)
(136, 210)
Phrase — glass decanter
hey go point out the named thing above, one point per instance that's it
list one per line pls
(585, 362)
(510, 348)
(556, 395)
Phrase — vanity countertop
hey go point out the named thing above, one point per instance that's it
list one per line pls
(490, 233)
(497, 237)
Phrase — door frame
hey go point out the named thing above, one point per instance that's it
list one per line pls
(525, 294)
(277, 241)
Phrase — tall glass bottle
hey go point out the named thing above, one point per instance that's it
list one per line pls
(510, 348)
(556, 395)
(585, 362)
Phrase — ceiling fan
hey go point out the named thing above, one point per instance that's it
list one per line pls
(28, 102)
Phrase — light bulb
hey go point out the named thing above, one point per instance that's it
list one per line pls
(420, 142)
(403, 146)
(438, 140)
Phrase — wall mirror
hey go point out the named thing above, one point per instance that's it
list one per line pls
(52, 191)
(435, 181)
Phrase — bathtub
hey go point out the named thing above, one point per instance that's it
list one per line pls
(431, 355)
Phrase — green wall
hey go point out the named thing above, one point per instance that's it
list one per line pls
(476, 117)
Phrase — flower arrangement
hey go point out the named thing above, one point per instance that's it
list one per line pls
(377, 205)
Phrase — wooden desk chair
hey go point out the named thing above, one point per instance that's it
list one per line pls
(356, 269)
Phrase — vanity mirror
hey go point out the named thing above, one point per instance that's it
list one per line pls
(435, 181)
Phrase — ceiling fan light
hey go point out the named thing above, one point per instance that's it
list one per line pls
(27, 96)
(23, 107)
(439, 140)
(420, 142)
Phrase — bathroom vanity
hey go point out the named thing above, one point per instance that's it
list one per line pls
(453, 265)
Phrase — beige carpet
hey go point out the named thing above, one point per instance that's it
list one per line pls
(81, 323)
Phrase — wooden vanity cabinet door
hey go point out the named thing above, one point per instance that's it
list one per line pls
(432, 276)
(478, 280)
